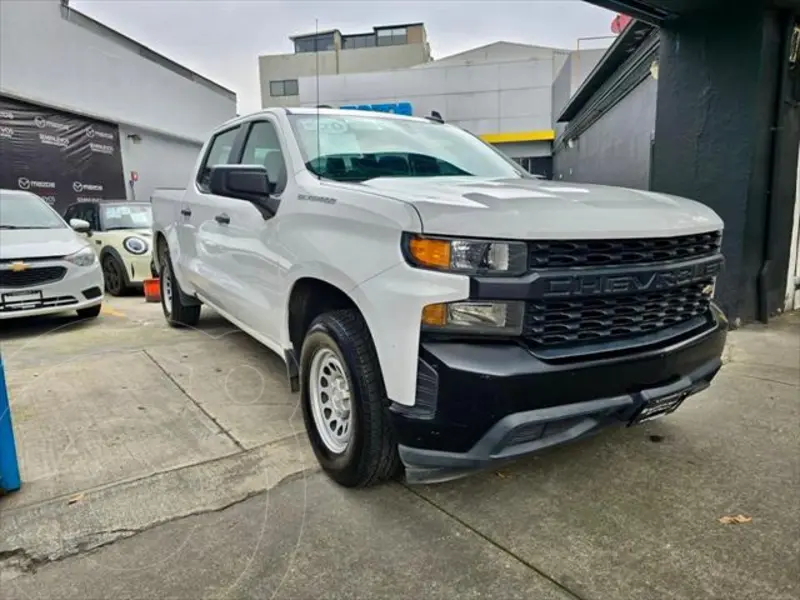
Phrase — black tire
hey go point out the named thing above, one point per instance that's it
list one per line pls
(114, 276)
(371, 454)
(89, 313)
(176, 312)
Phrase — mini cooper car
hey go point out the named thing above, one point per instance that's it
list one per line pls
(120, 233)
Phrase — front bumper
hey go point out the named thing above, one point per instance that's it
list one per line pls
(480, 404)
(80, 287)
(138, 268)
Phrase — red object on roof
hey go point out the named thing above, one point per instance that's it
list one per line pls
(620, 22)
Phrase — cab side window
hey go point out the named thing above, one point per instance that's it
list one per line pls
(263, 148)
(219, 153)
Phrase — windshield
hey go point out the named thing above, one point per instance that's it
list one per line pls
(125, 216)
(20, 210)
(361, 147)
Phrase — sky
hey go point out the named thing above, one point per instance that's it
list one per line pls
(222, 39)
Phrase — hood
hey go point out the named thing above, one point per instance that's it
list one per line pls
(38, 243)
(539, 209)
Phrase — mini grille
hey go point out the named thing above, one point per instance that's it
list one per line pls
(30, 277)
(562, 322)
(591, 253)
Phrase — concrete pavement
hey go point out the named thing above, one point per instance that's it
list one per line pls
(166, 464)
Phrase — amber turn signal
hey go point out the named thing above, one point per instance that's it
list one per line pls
(430, 253)
(434, 315)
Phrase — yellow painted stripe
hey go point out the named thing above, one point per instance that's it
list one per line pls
(519, 136)
(107, 310)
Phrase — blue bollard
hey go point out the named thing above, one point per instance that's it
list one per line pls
(9, 468)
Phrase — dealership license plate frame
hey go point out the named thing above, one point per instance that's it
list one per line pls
(656, 408)
(30, 299)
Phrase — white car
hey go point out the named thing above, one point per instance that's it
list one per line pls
(437, 307)
(45, 266)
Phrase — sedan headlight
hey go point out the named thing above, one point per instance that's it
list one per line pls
(476, 316)
(471, 257)
(135, 245)
(84, 257)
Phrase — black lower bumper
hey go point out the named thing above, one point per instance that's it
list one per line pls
(483, 403)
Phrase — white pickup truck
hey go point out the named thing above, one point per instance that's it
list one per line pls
(438, 309)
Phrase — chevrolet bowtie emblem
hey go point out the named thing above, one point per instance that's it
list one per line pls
(18, 266)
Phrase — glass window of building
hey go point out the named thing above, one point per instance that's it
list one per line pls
(284, 87)
(358, 41)
(392, 37)
(323, 42)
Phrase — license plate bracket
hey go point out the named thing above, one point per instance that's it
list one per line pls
(659, 407)
(23, 298)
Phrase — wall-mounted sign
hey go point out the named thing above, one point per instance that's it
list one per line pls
(397, 108)
(63, 158)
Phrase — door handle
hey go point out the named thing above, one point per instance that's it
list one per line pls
(223, 219)
(186, 212)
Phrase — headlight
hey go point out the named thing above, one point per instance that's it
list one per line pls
(135, 245)
(478, 317)
(473, 257)
(84, 257)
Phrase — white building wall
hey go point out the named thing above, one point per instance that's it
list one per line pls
(50, 55)
(276, 67)
(499, 97)
(47, 59)
(160, 161)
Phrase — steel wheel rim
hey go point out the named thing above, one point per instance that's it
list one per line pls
(331, 400)
(166, 290)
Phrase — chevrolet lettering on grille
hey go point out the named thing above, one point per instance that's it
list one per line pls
(594, 284)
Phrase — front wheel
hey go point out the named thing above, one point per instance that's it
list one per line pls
(114, 276)
(344, 402)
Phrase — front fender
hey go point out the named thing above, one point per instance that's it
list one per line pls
(313, 270)
(392, 304)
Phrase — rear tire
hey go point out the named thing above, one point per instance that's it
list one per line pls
(89, 313)
(341, 343)
(176, 312)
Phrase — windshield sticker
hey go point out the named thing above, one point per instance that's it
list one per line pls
(115, 212)
(140, 218)
(329, 126)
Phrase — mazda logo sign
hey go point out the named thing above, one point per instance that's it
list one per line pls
(90, 132)
(24, 183)
(40, 122)
(77, 186)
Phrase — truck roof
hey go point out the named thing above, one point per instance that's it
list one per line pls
(339, 112)
(311, 110)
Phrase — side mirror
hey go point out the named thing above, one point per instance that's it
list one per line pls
(80, 225)
(245, 182)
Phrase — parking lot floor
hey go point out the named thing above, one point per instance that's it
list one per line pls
(172, 464)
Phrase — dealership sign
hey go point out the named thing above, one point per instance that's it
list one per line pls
(397, 108)
(63, 158)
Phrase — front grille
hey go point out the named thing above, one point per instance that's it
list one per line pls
(553, 254)
(31, 276)
(550, 323)
(15, 306)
